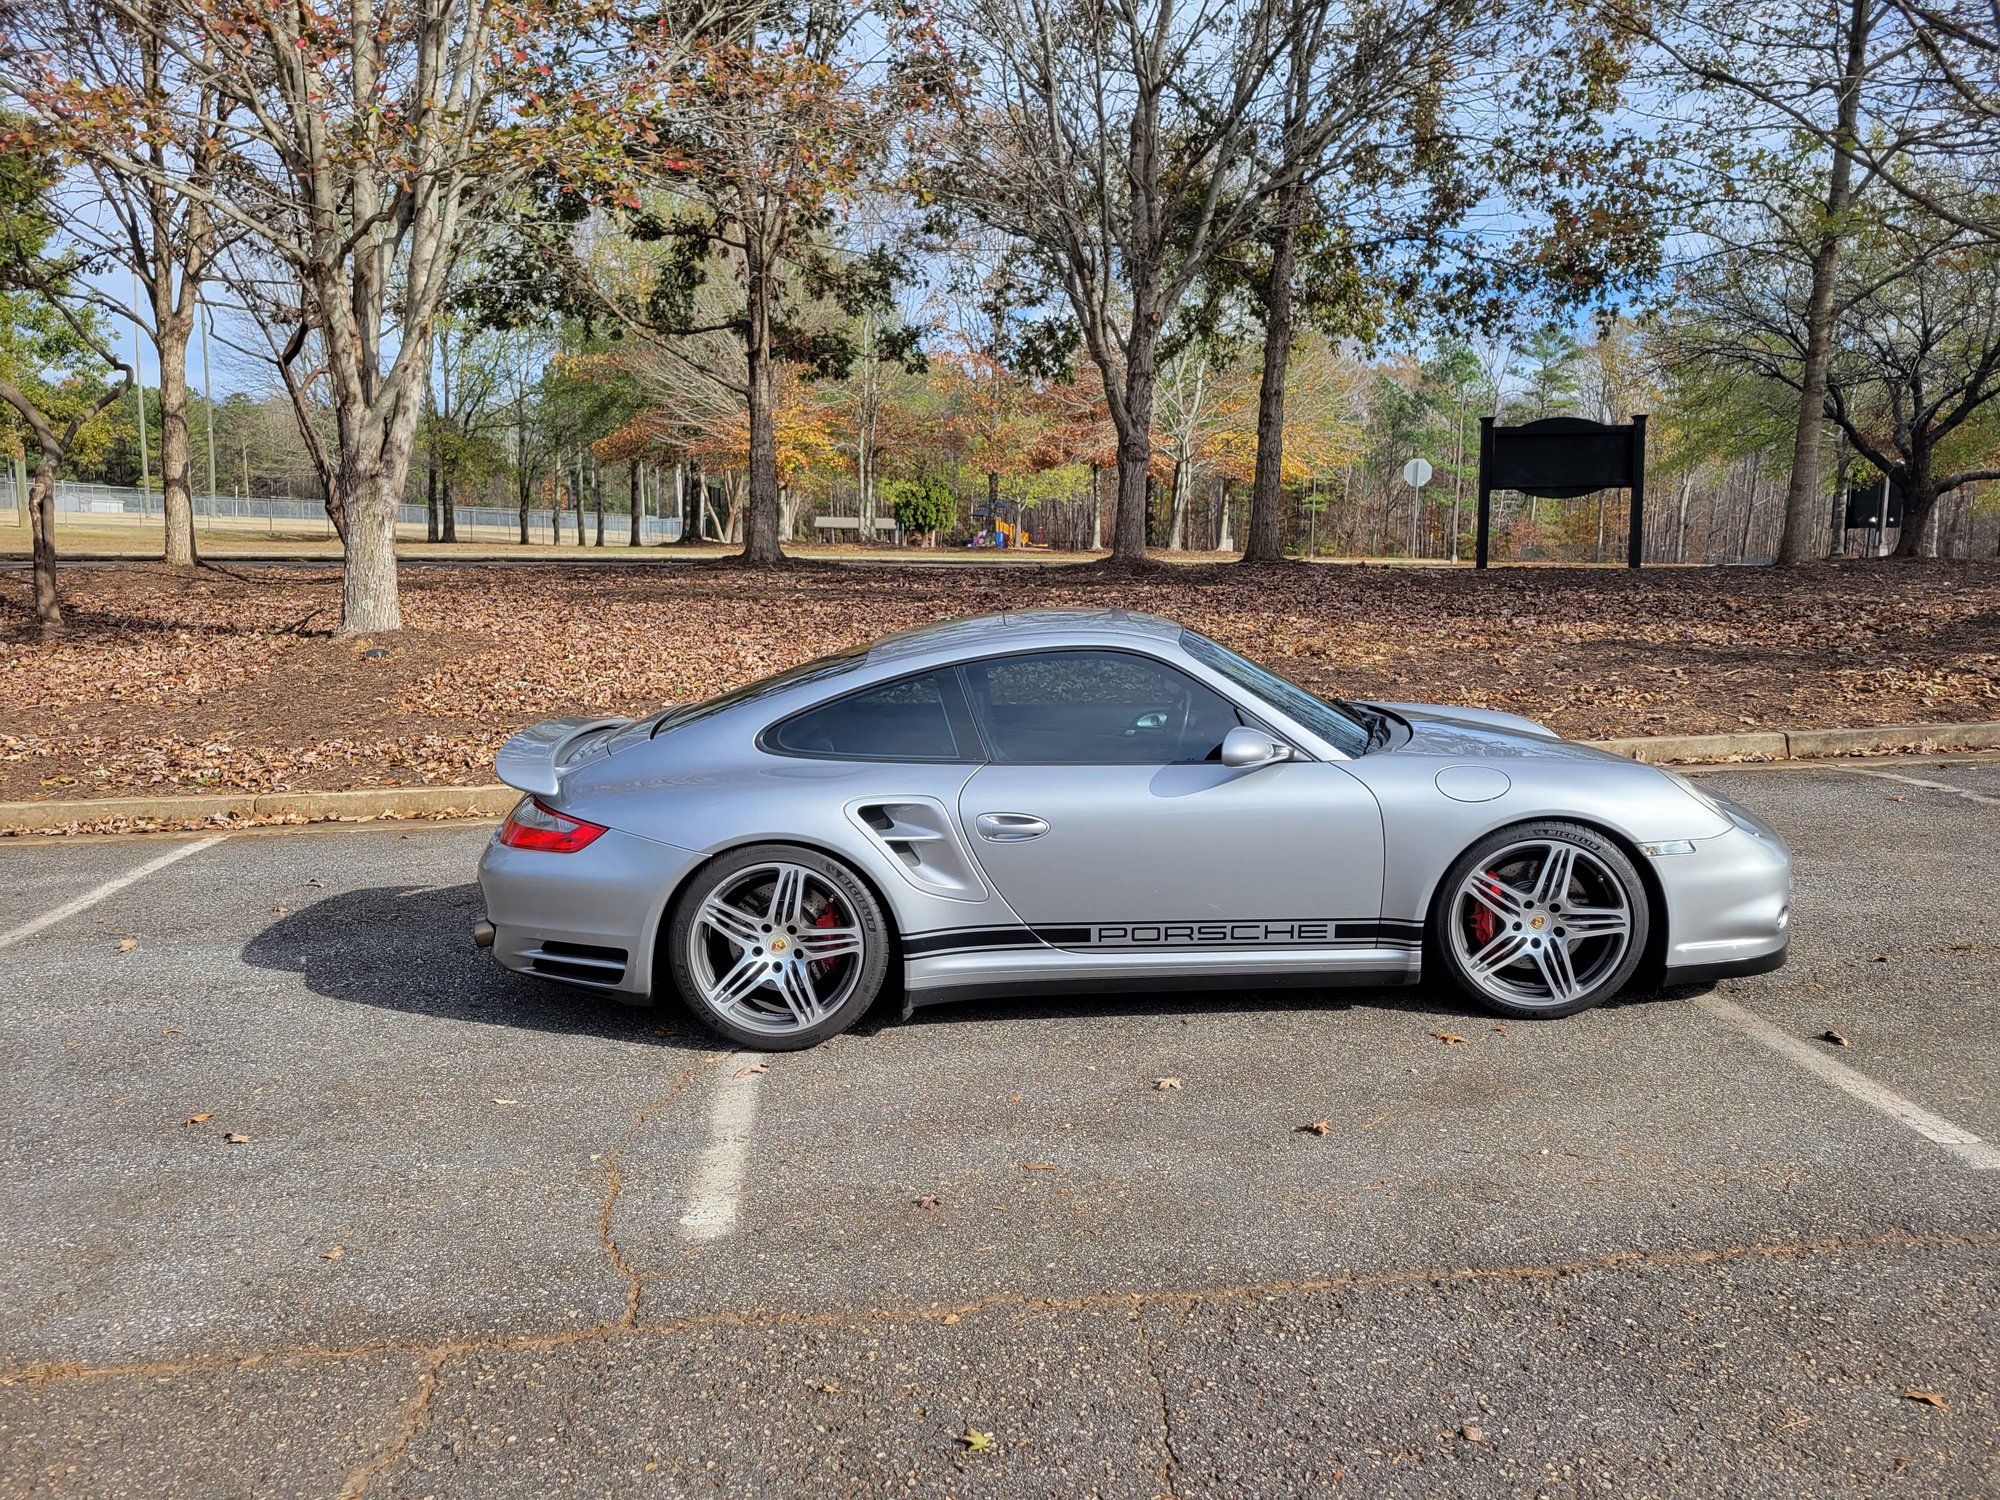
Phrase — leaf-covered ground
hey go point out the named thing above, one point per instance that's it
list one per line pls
(231, 681)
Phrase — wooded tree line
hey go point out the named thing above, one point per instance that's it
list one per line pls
(1145, 273)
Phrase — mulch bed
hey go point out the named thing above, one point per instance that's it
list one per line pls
(233, 680)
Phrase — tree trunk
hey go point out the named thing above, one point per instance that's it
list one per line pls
(1262, 541)
(1919, 485)
(431, 527)
(760, 539)
(1135, 486)
(1795, 542)
(368, 578)
(450, 503)
(1096, 509)
(637, 501)
(597, 496)
(176, 463)
(1177, 509)
(42, 518)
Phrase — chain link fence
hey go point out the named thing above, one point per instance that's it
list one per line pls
(292, 518)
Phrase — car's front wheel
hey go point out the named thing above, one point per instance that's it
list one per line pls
(1544, 919)
(777, 947)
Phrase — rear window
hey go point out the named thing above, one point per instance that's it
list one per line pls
(912, 718)
(816, 670)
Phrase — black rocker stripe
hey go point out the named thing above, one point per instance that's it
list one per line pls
(1340, 934)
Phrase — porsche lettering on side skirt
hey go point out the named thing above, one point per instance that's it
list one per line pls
(1287, 932)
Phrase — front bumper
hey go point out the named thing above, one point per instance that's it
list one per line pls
(1728, 904)
(590, 918)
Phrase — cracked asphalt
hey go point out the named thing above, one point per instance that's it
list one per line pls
(1637, 1252)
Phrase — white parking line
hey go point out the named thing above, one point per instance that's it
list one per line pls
(109, 888)
(718, 1176)
(1935, 786)
(1960, 1142)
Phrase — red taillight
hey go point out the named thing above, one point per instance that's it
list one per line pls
(533, 826)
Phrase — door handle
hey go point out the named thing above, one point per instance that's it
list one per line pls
(1009, 828)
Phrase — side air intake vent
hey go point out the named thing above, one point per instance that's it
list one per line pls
(919, 836)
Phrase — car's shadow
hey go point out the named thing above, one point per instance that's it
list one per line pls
(409, 948)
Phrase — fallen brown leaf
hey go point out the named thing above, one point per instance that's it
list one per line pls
(1834, 1037)
(1929, 1398)
(929, 1200)
(1471, 1433)
(752, 1068)
(201, 1119)
(237, 1140)
(334, 1254)
(1449, 1038)
(1038, 1166)
(126, 945)
(1318, 1127)
(1161, 1085)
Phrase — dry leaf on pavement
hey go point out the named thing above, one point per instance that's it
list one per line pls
(1318, 1127)
(201, 1119)
(1161, 1085)
(752, 1068)
(1929, 1398)
(1449, 1038)
(334, 1254)
(126, 945)
(1834, 1037)
(237, 1140)
(976, 1441)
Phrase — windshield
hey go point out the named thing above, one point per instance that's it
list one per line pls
(1350, 728)
(812, 671)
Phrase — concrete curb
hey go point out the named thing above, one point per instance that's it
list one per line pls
(1805, 744)
(143, 814)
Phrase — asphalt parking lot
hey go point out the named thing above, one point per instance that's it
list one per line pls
(305, 1197)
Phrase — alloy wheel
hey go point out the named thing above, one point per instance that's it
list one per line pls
(1540, 923)
(774, 948)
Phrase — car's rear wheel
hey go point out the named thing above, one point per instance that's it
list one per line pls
(1544, 919)
(777, 947)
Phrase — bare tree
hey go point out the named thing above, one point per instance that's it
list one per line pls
(167, 240)
(362, 143)
(1118, 138)
(1848, 80)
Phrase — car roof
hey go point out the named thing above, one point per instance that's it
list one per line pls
(1024, 630)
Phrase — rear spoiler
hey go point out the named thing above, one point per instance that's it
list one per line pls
(532, 760)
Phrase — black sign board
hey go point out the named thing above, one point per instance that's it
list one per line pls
(1561, 458)
(1864, 507)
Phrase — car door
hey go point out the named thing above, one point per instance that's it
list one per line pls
(1105, 820)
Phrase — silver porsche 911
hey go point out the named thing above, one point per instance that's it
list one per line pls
(1095, 801)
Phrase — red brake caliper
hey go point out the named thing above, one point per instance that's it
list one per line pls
(1485, 926)
(829, 918)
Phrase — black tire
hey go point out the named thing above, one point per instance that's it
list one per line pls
(1608, 971)
(856, 991)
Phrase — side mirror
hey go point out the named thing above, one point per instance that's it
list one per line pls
(1244, 747)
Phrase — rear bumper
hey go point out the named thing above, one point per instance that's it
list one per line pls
(590, 918)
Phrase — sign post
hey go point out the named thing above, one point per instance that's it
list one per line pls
(1416, 474)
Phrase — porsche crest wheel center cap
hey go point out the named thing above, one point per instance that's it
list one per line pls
(1536, 923)
(778, 944)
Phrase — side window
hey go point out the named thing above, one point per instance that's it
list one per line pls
(1094, 708)
(913, 718)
